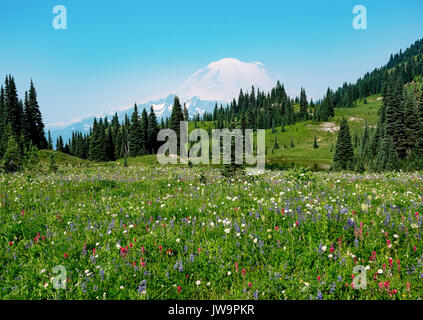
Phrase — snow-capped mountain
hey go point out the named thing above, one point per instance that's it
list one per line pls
(219, 83)
(222, 80)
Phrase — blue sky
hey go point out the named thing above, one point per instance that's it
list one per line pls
(116, 52)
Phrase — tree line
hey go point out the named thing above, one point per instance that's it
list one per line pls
(403, 66)
(135, 136)
(21, 126)
(395, 143)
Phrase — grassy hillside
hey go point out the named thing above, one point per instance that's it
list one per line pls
(62, 158)
(303, 133)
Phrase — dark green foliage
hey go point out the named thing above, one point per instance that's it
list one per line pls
(31, 158)
(49, 142)
(12, 159)
(59, 144)
(315, 145)
(344, 152)
(34, 119)
(186, 117)
(419, 131)
(21, 127)
(276, 144)
(13, 113)
(135, 135)
(391, 158)
(411, 122)
(152, 131)
(111, 140)
(176, 116)
(98, 142)
(395, 126)
(303, 114)
(364, 139)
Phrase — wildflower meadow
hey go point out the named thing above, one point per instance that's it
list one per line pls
(115, 232)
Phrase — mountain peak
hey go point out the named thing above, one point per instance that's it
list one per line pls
(226, 62)
(219, 83)
(221, 80)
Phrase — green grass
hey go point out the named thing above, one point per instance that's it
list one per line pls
(61, 158)
(268, 237)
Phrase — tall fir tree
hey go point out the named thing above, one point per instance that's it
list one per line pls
(36, 126)
(153, 130)
(49, 142)
(176, 117)
(12, 110)
(144, 131)
(303, 114)
(135, 139)
(344, 152)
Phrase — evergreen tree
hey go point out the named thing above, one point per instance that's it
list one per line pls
(31, 158)
(153, 130)
(110, 146)
(315, 145)
(303, 114)
(411, 122)
(59, 144)
(12, 159)
(50, 142)
(36, 125)
(185, 113)
(344, 152)
(12, 110)
(251, 119)
(391, 156)
(95, 153)
(176, 117)
(364, 139)
(135, 138)
(26, 124)
(276, 144)
(330, 112)
(395, 126)
(2, 123)
(419, 133)
(144, 131)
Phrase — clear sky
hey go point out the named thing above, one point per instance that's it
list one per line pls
(116, 52)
